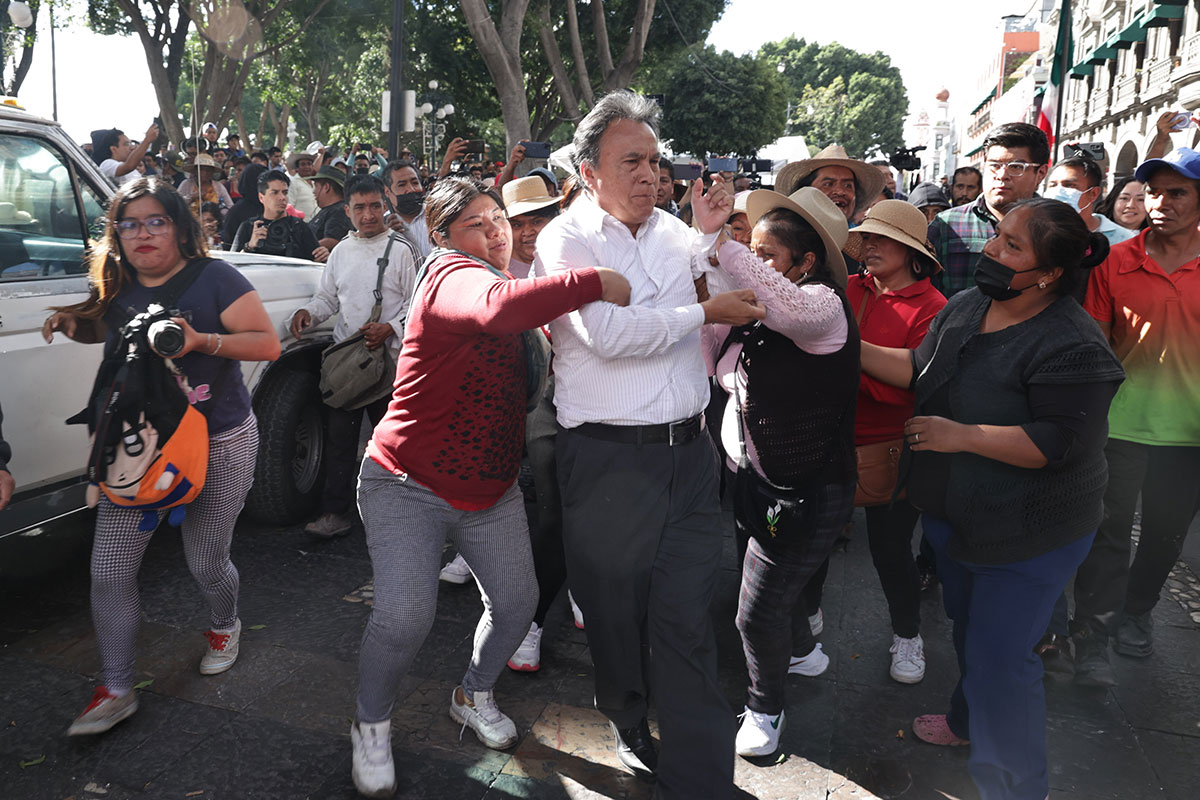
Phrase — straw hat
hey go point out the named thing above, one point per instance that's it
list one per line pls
(202, 160)
(868, 178)
(524, 195)
(901, 222)
(818, 211)
(296, 157)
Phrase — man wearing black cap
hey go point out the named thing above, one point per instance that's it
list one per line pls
(330, 225)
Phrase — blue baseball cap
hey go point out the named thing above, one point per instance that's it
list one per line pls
(1185, 161)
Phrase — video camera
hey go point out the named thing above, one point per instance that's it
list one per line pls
(905, 159)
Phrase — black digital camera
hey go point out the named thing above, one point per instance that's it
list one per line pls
(158, 329)
(279, 235)
(905, 159)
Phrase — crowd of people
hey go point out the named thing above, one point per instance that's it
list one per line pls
(1009, 370)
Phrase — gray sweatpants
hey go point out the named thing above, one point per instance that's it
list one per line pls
(407, 525)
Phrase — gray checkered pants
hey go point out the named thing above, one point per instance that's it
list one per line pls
(207, 532)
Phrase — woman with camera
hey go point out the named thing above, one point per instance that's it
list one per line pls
(150, 237)
(1013, 384)
(444, 461)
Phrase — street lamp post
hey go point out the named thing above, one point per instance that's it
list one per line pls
(20, 15)
(429, 140)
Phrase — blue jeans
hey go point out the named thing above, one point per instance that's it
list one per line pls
(1000, 611)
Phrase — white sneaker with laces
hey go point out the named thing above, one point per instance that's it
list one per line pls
(816, 623)
(908, 659)
(575, 610)
(456, 571)
(480, 713)
(758, 734)
(528, 657)
(105, 711)
(222, 650)
(810, 665)
(373, 770)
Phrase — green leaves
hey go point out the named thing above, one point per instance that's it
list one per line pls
(33, 762)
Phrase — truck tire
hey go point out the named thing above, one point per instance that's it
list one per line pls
(291, 448)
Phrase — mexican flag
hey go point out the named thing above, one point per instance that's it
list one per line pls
(1052, 99)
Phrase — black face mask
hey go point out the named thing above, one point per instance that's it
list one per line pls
(410, 204)
(994, 279)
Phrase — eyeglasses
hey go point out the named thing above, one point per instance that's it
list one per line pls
(156, 225)
(1014, 168)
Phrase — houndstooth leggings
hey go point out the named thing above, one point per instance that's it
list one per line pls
(207, 532)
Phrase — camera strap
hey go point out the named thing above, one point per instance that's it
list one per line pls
(166, 295)
(382, 263)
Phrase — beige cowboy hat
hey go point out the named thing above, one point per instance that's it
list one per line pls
(524, 195)
(296, 157)
(901, 222)
(868, 178)
(818, 211)
(202, 160)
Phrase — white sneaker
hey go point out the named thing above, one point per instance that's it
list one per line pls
(492, 727)
(908, 659)
(373, 770)
(528, 657)
(105, 711)
(456, 571)
(759, 733)
(810, 665)
(575, 610)
(222, 650)
(816, 623)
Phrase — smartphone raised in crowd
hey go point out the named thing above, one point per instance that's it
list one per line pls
(536, 149)
(687, 172)
(476, 146)
(722, 165)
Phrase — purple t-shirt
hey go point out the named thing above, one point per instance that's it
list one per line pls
(216, 288)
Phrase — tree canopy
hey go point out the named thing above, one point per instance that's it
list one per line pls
(841, 96)
(719, 103)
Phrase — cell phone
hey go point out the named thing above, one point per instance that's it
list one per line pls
(536, 149)
(687, 172)
(1092, 150)
(476, 146)
(722, 165)
(1182, 121)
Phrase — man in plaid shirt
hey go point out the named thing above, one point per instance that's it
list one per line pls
(1016, 158)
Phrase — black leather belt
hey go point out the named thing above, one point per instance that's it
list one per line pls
(671, 433)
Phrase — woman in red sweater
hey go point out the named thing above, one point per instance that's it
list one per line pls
(894, 302)
(444, 460)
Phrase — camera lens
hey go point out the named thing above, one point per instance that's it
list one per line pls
(166, 338)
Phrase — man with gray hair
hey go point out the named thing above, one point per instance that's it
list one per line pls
(642, 525)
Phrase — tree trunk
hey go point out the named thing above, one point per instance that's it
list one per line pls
(159, 62)
(281, 125)
(501, 51)
(239, 116)
(268, 111)
(581, 70)
(22, 69)
(635, 48)
(562, 81)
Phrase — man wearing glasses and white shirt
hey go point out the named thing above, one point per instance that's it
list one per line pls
(1016, 158)
(642, 525)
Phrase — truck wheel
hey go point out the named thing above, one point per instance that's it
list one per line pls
(291, 450)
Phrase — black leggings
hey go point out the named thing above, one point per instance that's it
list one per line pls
(545, 524)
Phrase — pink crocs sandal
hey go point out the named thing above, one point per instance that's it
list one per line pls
(934, 729)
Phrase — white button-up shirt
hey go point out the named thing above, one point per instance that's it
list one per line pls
(634, 365)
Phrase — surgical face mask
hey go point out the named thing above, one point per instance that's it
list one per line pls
(1067, 195)
(409, 204)
(994, 279)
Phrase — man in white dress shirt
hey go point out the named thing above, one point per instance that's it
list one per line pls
(639, 475)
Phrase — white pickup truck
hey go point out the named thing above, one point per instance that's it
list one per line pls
(52, 200)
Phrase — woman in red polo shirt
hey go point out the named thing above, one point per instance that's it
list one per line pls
(894, 302)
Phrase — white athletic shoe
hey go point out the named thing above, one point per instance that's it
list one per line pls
(105, 711)
(528, 657)
(908, 659)
(479, 713)
(222, 650)
(816, 623)
(373, 770)
(575, 610)
(810, 665)
(456, 571)
(759, 733)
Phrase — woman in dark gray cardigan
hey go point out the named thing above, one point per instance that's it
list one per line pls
(1013, 384)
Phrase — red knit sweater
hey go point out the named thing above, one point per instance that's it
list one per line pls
(893, 319)
(456, 421)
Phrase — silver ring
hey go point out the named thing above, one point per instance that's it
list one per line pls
(916, 438)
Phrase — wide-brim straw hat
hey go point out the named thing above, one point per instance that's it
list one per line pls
(869, 179)
(901, 222)
(524, 195)
(818, 211)
(202, 160)
(295, 158)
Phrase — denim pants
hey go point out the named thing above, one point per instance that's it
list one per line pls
(1000, 611)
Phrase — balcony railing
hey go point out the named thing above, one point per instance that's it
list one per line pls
(1191, 50)
(1157, 77)
(1098, 106)
(1126, 90)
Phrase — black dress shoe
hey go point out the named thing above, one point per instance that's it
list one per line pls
(635, 749)
(1055, 652)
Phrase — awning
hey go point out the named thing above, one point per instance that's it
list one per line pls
(984, 101)
(974, 152)
(1081, 71)
(1101, 54)
(1161, 15)
(1171, 3)
(1128, 36)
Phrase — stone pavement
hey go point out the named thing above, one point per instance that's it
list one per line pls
(275, 726)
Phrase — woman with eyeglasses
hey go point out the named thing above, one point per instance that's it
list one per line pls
(1013, 384)
(151, 236)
